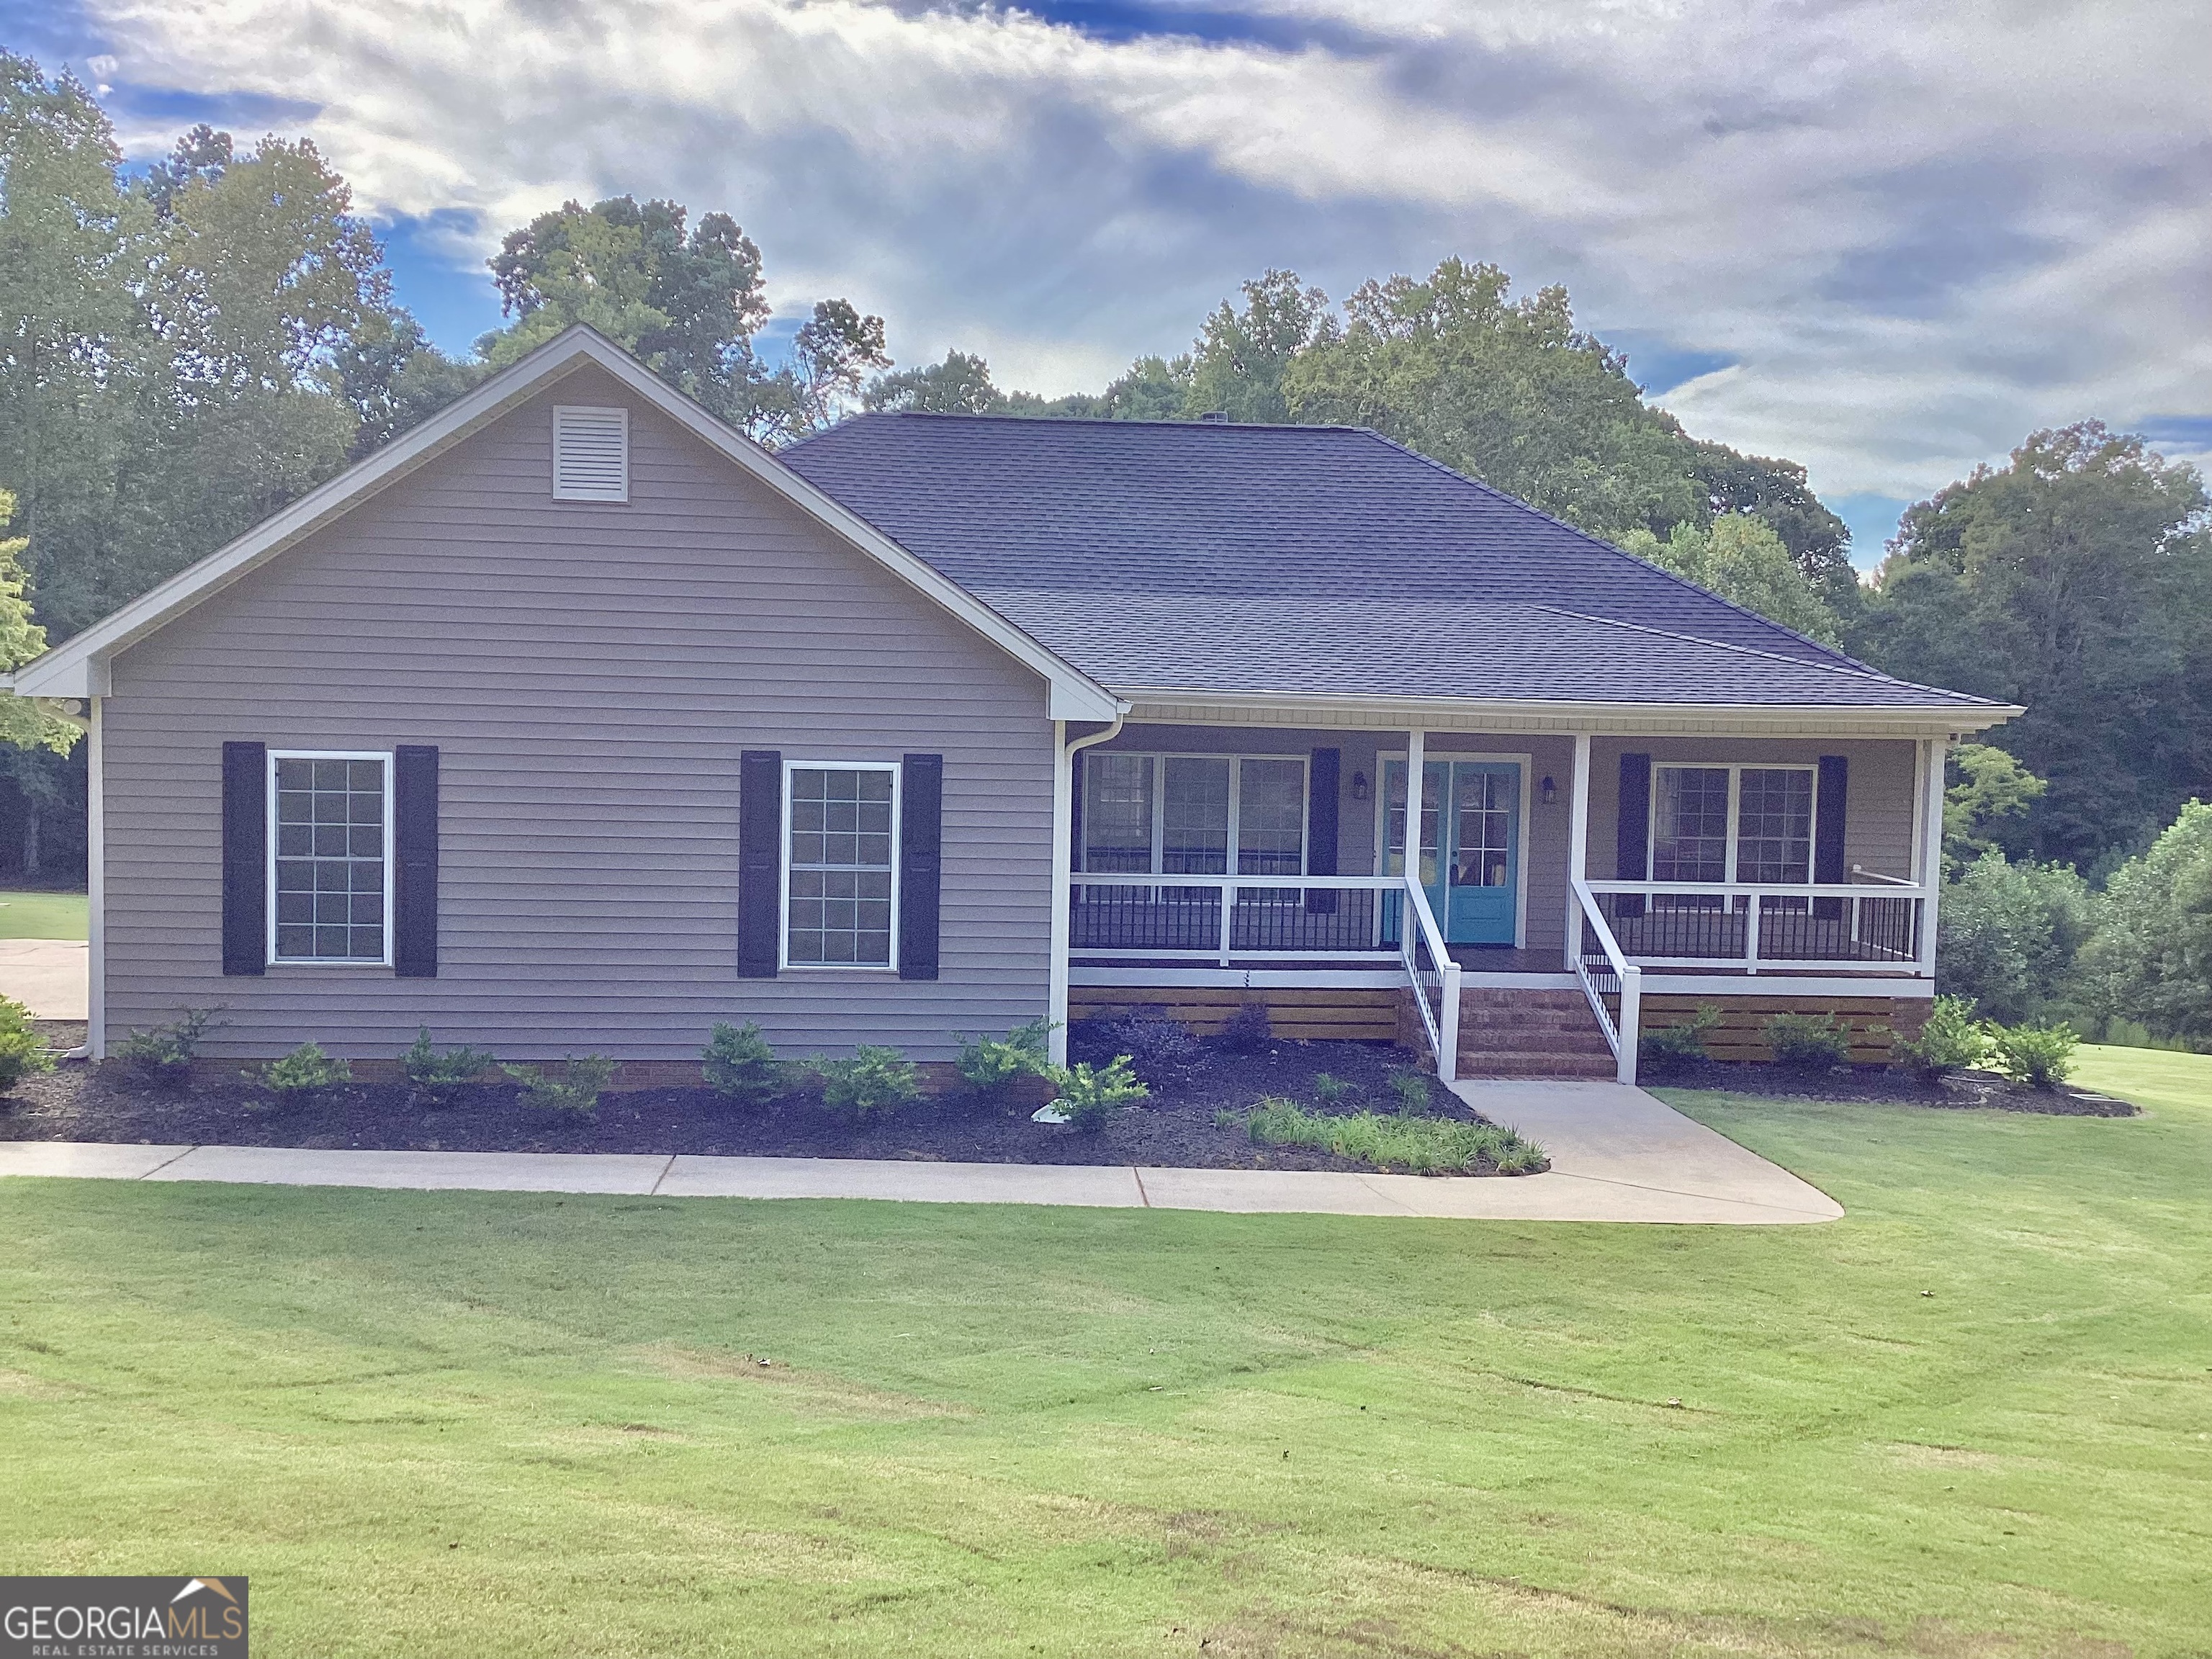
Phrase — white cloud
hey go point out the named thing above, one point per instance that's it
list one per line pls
(1917, 228)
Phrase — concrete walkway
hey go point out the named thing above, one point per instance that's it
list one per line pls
(1617, 1154)
(46, 975)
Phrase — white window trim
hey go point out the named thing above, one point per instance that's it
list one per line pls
(1735, 769)
(269, 875)
(621, 411)
(783, 962)
(1527, 762)
(1159, 757)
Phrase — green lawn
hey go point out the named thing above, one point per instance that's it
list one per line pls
(42, 916)
(494, 1424)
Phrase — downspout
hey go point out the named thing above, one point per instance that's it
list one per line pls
(1063, 861)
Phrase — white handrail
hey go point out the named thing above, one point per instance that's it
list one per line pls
(1337, 884)
(1625, 1036)
(1442, 1024)
(1876, 875)
(1754, 888)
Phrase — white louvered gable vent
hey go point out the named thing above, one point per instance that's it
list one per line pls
(591, 454)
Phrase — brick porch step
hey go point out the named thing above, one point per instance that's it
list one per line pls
(1530, 1034)
(1538, 1067)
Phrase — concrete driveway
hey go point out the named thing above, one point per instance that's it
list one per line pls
(46, 975)
(1617, 1154)
(1619, 1150)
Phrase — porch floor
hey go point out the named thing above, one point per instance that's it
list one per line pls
(1505, 959)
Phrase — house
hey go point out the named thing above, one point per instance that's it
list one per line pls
(573, 721)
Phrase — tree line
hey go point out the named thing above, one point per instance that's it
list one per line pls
(188, 348)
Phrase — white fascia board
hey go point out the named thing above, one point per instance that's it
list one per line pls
(77, 667)
(1172, 706)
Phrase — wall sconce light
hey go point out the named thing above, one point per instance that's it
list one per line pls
(1551, 791)
(1359, 786)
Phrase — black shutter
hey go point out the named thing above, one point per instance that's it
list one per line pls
(415, 875)
(245, 858)
(1632, 840)
(1321, 783)
(922, 846)
(760, 861)
(1828, 833)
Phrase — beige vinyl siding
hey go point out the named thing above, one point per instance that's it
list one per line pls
(1877, 809)
(1543, 862)
(590, 673)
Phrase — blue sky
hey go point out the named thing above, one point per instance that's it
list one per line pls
(1884, 238)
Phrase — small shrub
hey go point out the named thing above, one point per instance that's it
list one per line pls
(298, 1074)
(1683, 1041)
(1430, 1145)
(1155, 1042)
(2038, 1056)
(1089, 1095)
(1247, 1031)
(1808, 1042)
(993, 1065)
(163, 1055)
(439, 1078)
(874, 1083)
(1951, 1038)
(1411, 1090)
(573, 1086)
(22, 1050)
(1330, 1092)
(738, 1065)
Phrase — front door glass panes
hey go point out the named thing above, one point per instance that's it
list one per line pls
(1435, 776)
(1117, 814)
(329, 889)
(1271, 818)
(1194, 816)
(841, 867)
(1690, 823)
(1774, 825)
(1484, 800)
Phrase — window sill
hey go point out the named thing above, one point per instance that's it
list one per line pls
(840, 969)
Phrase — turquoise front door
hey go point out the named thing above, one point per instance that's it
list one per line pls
(1470, 845)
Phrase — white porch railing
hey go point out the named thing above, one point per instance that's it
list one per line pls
(1828, 928)
(1219, 919)
(1607, 973)
(1439, 973)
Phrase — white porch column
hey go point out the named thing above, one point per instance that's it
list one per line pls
(1578, 844)
(1417, 757)
(95, 883)
(1933, 754)
(1066, 756)
(1063, 858)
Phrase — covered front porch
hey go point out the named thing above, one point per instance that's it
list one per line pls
(1209, 861)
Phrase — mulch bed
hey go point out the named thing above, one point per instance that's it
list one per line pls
(1961, 1092)
(1175, 1128)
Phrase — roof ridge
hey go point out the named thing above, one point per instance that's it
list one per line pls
(1599, 542)
(1011, 417)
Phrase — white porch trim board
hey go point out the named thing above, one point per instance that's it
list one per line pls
(95, 884)
(1064, 758)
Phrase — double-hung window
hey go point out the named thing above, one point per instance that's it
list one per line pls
(1190, 815)
(1733, 823)
(329, 862)
(841, 864)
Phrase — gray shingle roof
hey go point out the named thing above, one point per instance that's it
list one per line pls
(1325, 560)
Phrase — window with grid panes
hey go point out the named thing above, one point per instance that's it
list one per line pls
(842, 846)
(330, 858)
